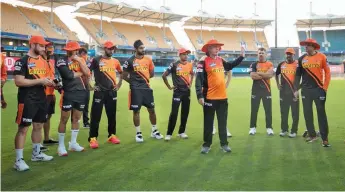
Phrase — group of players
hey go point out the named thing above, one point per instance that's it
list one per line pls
(34, 75)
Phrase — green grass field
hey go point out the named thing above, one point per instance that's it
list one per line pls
(257, 162)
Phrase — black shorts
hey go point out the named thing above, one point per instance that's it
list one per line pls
(29, 112)
(139, 97)
(73, 100)
(51, 100)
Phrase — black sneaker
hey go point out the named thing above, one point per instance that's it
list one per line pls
(305, 134)
(325, 144)
(87, 125)
(50, 142)
(43, 148)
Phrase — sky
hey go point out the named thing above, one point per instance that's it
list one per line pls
(288, 12)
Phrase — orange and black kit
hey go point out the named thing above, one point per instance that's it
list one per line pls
(210, 85)
(74, 90)
(32, 102)
(261, 90)
(181, 76)
(315, 74)
(287, 72)
(104, 70)
(139, 82)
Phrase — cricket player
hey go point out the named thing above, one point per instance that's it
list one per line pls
(315, 73)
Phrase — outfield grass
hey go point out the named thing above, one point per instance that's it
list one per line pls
(257, 162)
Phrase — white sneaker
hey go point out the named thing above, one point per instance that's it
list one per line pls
(139, 137)
(20, 165)
(282, 134)
(62, 151)
(270, 131)
(167, 137)
(214, 130)
(292, 135)
(183, 135)
(156, 134)
(41, 157)
(252, 131)
(228, 132)
(75, 147)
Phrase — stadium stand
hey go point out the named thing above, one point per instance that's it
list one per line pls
(33, 22)
(330, 40)
(231, 39)
(125, 34)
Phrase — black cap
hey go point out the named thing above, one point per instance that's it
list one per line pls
(138, 43)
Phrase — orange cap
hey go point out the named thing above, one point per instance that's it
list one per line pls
(211, 42)
(183, 50)
(71, 46)
(38, 40)
(109, 45)
(290, 50)
(310, 41)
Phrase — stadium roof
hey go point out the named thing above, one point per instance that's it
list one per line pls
(126, 11)
(328, 20)
(51, 3)
(205, 19)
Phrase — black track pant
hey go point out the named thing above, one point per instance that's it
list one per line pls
(266, 98)
(86, 108)
(109, 100)
(318, 96)
(179, 98)
(287, 101)
(220, 107)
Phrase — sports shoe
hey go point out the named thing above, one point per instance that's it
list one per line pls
(20, 165)
(228, 132)
(305, 134)
(325, 144)
(43, 148)
(226, 148)
(41, 157)
(139, 137)
(283, 134)
(270, 131)
(93, 143)
(113, 139)
(214, 130)
(167, 137)
(252, 131)
(62, 151)
(293, 135)
(205, 150)
(50, 142)
(75, 147)
(87, 125)
(183, 136)
(311, 139)
(156, 134)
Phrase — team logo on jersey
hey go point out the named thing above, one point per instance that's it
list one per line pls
(283, 67)
(212, 65)
(179, 68)
(135, 64)
(101, 64)
(305, 61)
(31, 65)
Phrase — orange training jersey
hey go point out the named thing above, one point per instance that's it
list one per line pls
(3, 68)
(214, 78)
(139, 71)
(288, 75)
(312, 70)
(105, 72)
(50, 90)
(181, 75)
(262, 84)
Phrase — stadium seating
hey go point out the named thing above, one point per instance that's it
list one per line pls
(231, 39)
(336, 38)
(125, 34)
(26, 21)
